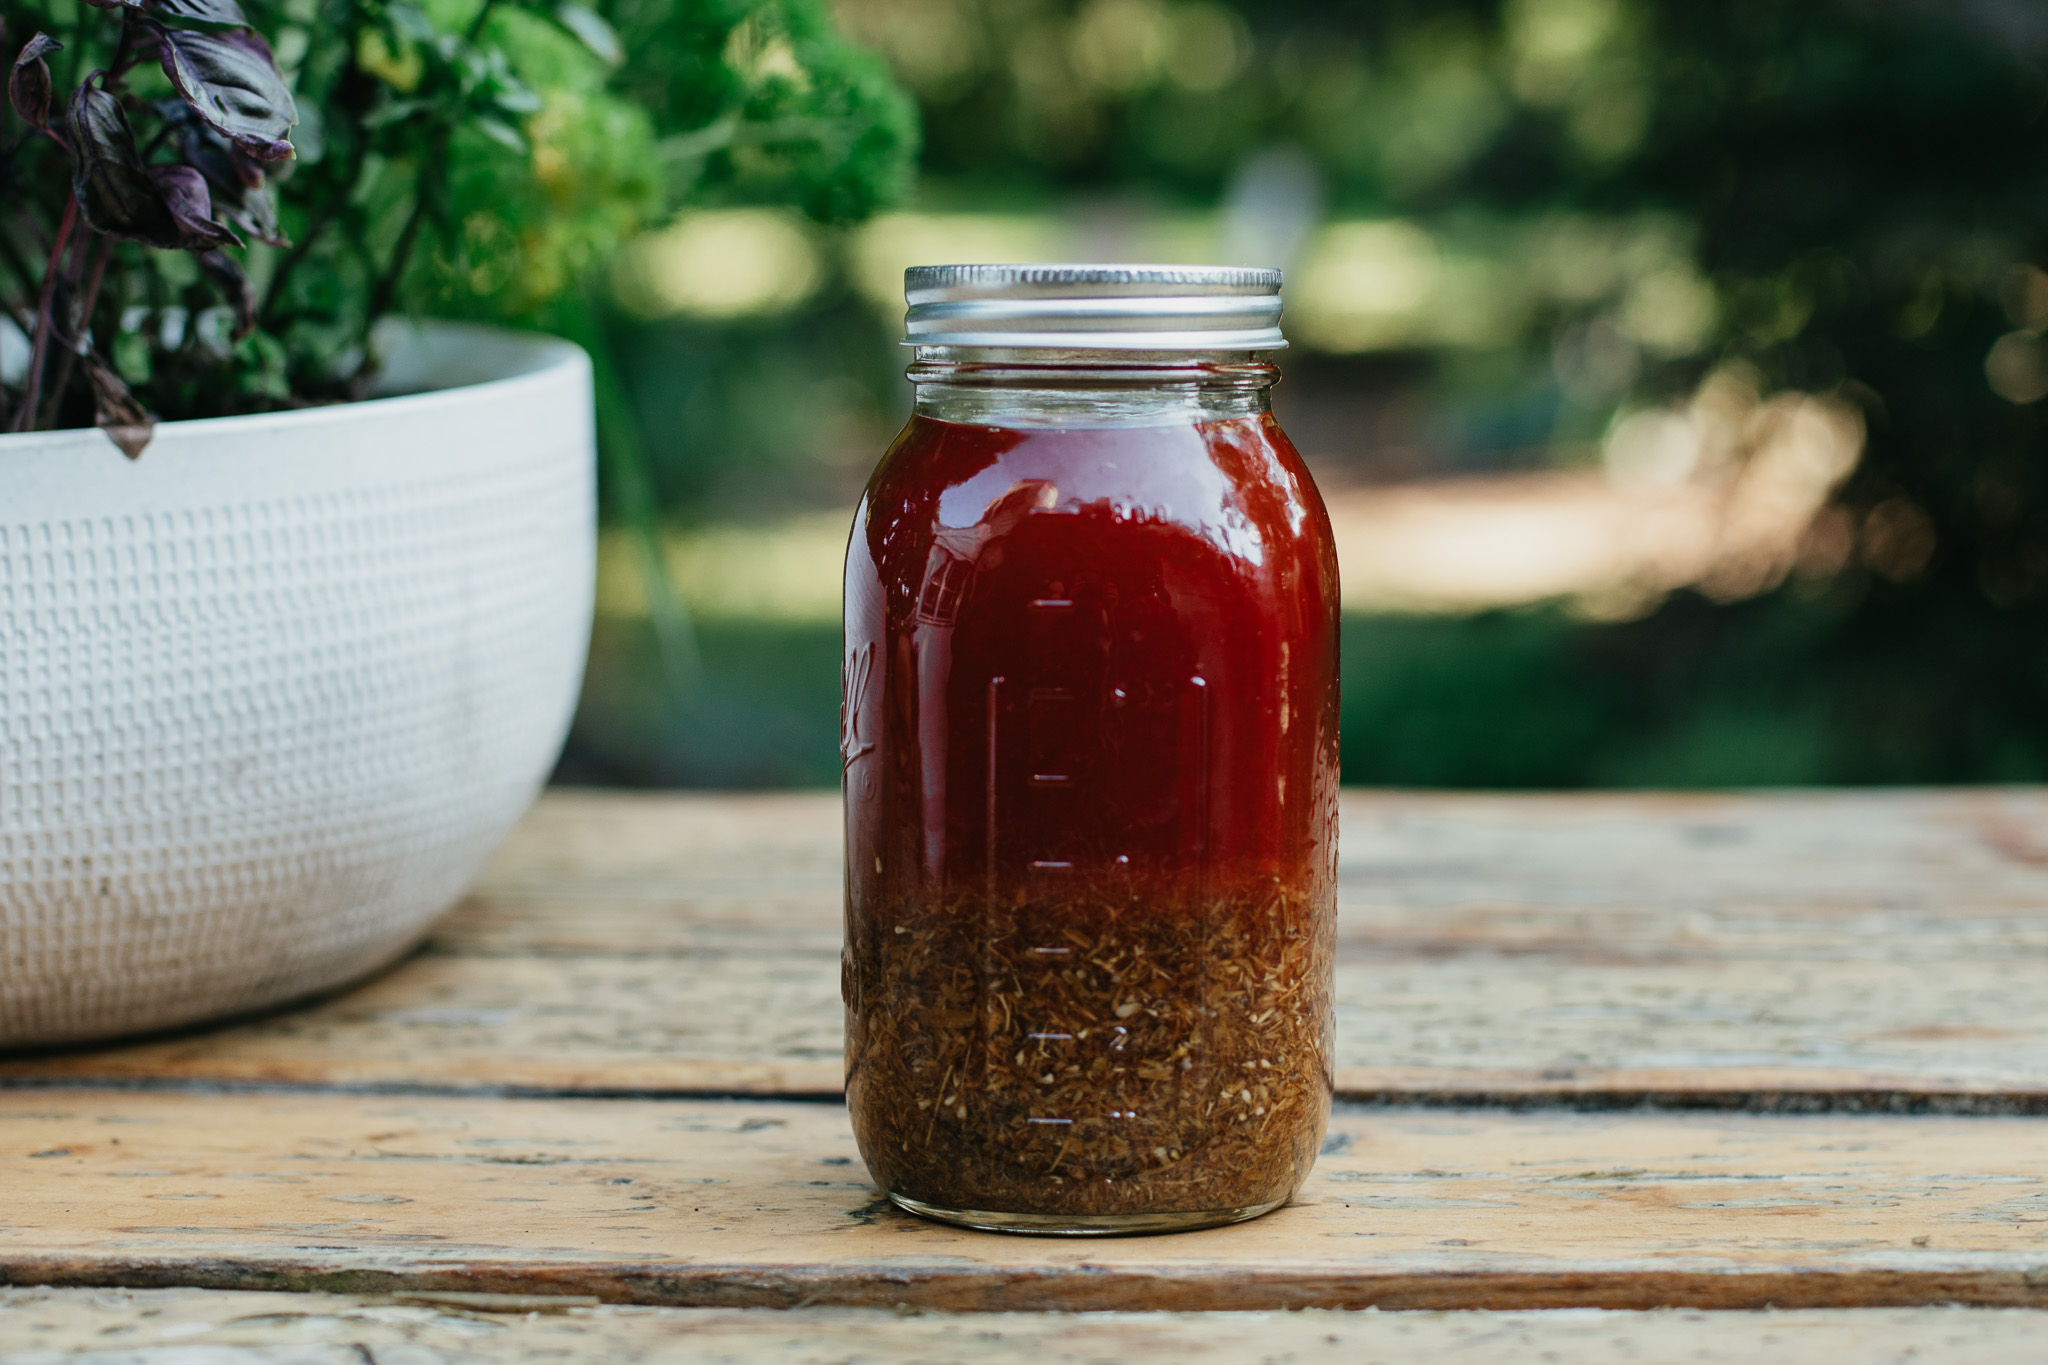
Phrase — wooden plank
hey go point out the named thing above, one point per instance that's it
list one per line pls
(765, 1204)
(335, 1329)
(1837, 949)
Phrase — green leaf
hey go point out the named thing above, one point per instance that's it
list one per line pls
(517, 99)
(391, 111)
(501, 132)
(410, 22)
(597, 35)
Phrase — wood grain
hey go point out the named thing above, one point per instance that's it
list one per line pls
(335, 1329)
(765, 1204)
(1790, 950)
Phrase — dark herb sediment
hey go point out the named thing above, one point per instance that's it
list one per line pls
(1092, 1057)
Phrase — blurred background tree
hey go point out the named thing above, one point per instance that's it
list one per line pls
(1673, 370)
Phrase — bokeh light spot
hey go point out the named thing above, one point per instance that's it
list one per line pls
(724, 264)
(2017, 367)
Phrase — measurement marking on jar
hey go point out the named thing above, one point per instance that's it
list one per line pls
(995, 703)
(1053, 952)
(1051, 603)
(1050, 865)
(1055, 1123)
(1050, 779)
(1051, 1037)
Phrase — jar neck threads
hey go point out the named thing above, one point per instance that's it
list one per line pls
(1095, 388)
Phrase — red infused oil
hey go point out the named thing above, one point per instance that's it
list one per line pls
(1090, 745)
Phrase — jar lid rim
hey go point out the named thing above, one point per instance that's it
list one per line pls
(1110, 306)
(985, 280)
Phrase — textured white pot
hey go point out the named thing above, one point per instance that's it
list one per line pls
(270, 695)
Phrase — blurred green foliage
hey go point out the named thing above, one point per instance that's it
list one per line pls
(625, 111)
(1861, 179)
(470, 158)
(756, 416)
(1857, 183)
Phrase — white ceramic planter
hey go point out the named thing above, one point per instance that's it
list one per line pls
(270, 695)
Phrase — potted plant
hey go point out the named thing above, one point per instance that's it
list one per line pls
(293, 594)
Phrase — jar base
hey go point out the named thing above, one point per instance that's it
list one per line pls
(1083, 1224)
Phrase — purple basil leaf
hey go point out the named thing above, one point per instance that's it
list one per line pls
(225, 12)
(184, 192)
(240, 194)
(233, 286)
(200, 145)
(124, 198)
(115, 409)
(252, 207)
(28, 84)
(256, 215)
(183, 11)
(113, 187)
(231, 81)
(248, 169)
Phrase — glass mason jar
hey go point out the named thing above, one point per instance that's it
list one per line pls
(1089, 736)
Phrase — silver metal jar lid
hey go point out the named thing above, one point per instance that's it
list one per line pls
(1094, 307)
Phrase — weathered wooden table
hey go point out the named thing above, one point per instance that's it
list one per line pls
(1617, 1052)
